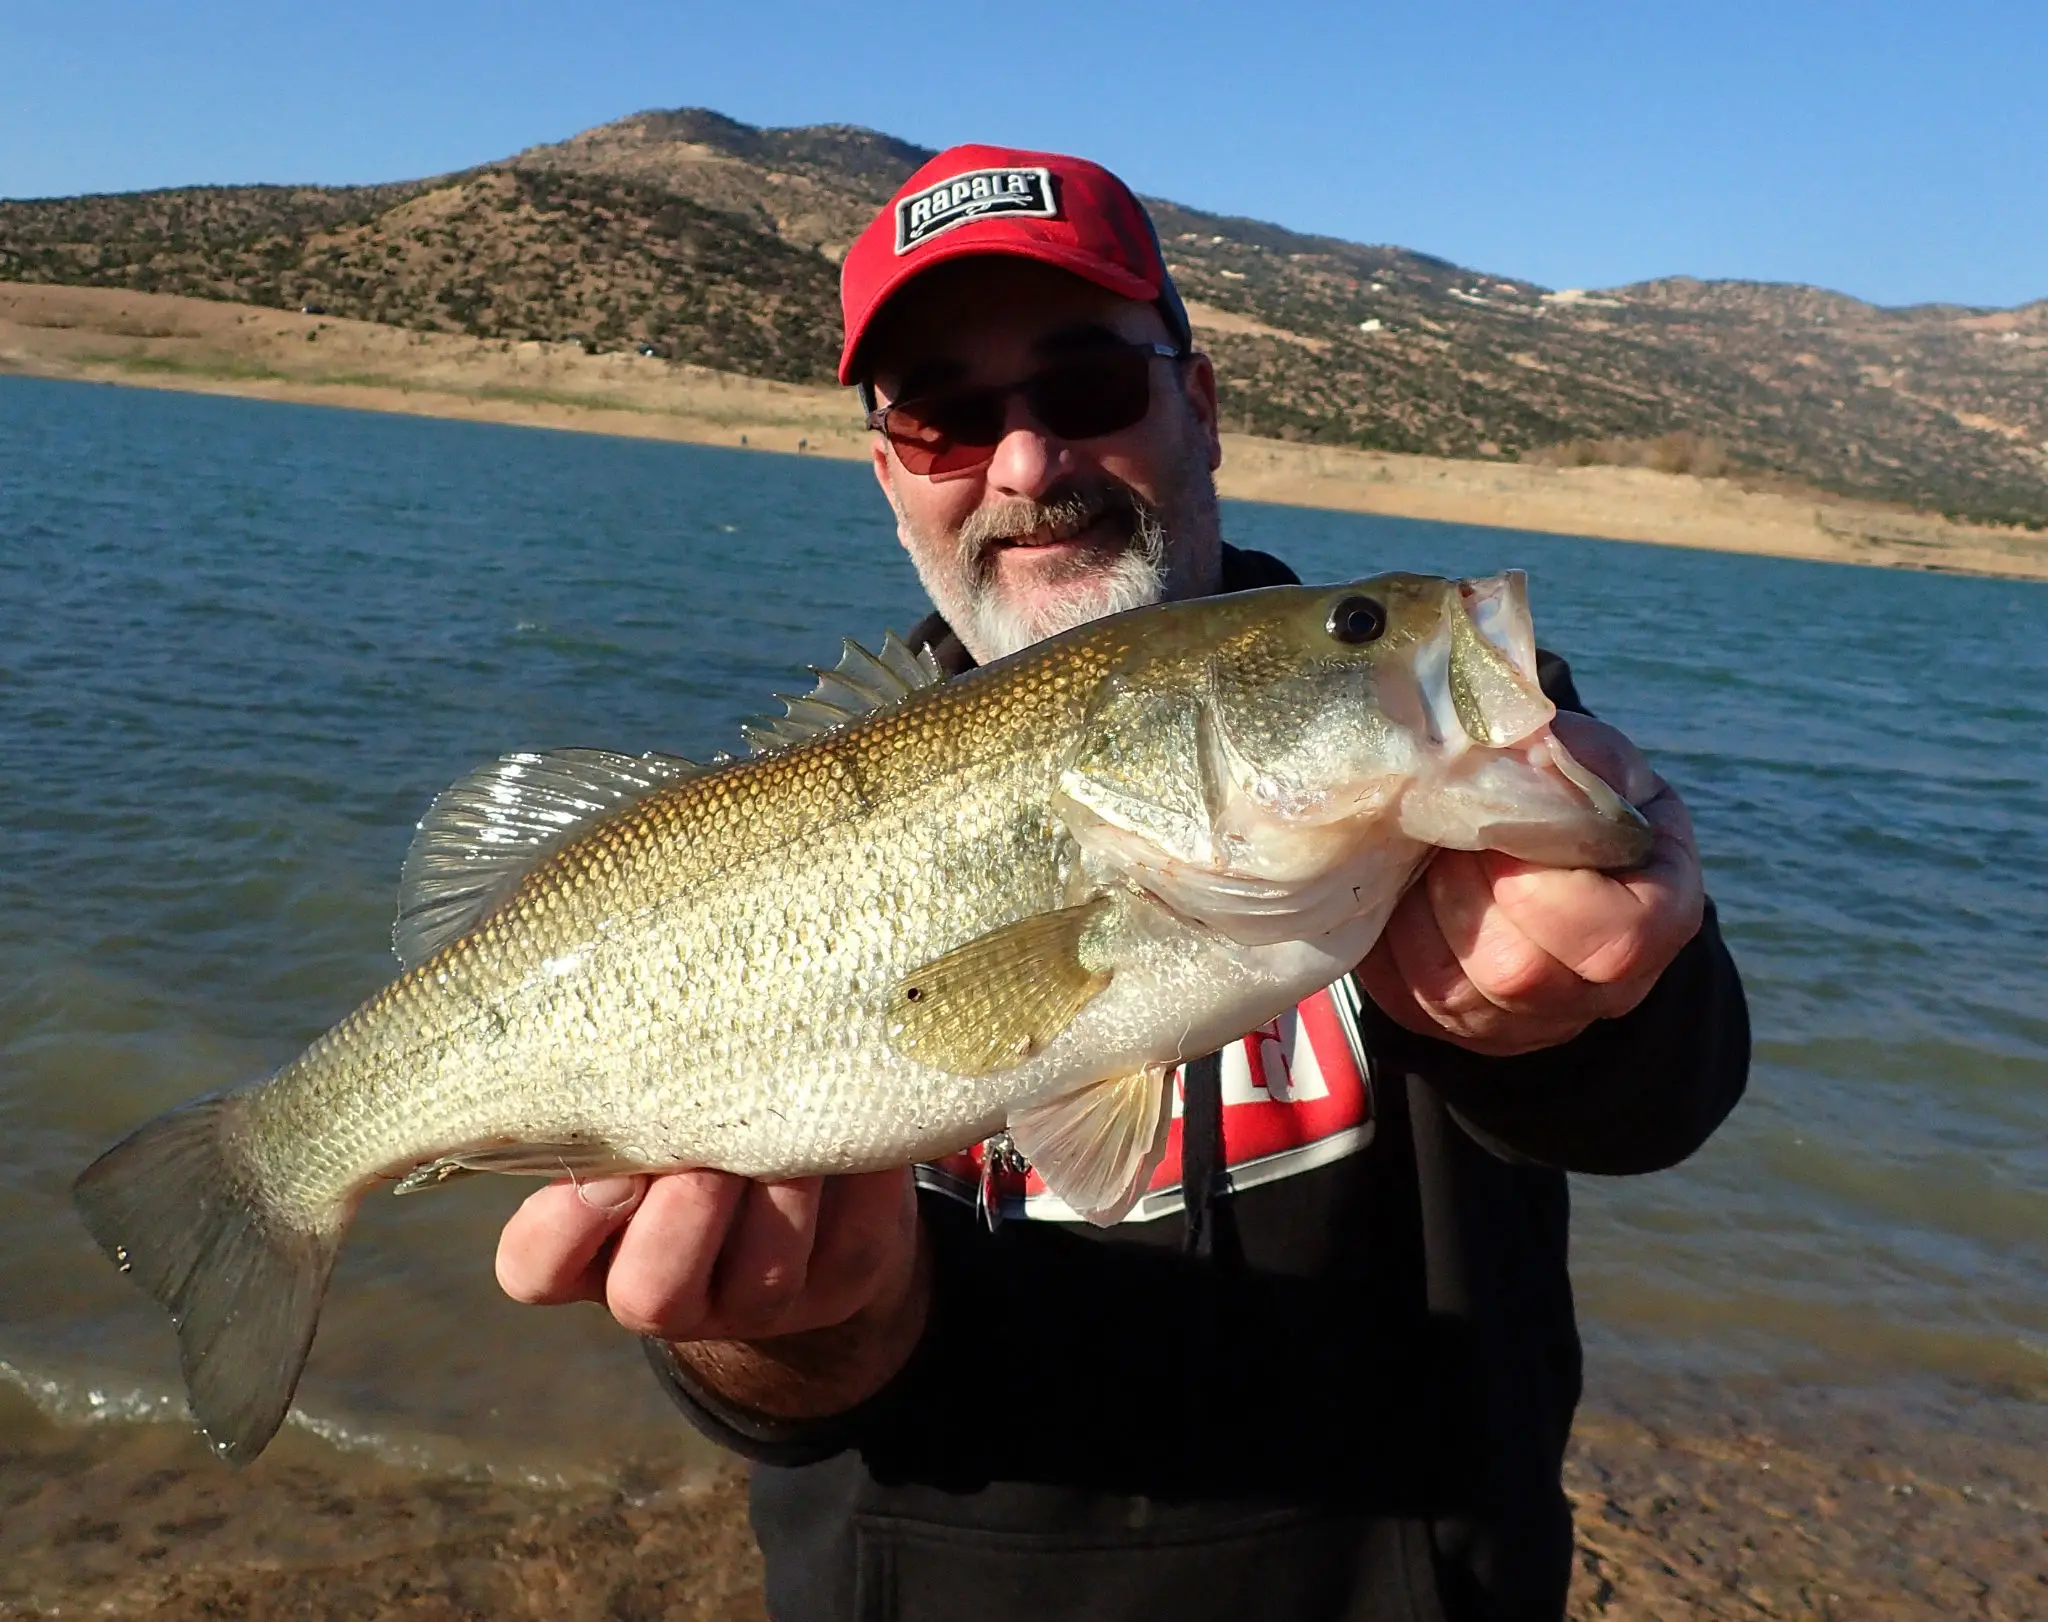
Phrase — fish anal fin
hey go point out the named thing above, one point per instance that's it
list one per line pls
(1097, 1147)
(577, 1160)
(998, 1000)
(489, 829)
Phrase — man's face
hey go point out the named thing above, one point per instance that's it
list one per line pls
(1051, 532)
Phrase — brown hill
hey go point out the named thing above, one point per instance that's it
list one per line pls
(714, 242)
(815, 186)
(506, 251)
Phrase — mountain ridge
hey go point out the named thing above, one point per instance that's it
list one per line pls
(716, 242)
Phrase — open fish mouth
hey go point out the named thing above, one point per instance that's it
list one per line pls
(1498, 606)
(1476, 671)
(1510, 781)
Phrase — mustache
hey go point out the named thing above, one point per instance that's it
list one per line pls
(1064, 514)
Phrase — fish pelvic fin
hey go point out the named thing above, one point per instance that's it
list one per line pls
(177, 1209)
(1098, 1146)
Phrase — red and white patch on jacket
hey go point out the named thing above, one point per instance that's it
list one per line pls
(1296, 1095)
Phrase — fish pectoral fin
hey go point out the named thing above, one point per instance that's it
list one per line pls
(1097, 1147)
(578, 1160)
(998, 1000)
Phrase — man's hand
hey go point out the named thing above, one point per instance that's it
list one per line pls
(792, 1299)
(1503, 957)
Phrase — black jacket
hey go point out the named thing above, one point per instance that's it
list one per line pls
(1347, 1397)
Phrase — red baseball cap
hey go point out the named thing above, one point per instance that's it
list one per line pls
(1065, 212)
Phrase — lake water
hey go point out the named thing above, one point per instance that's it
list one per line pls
(242, 645)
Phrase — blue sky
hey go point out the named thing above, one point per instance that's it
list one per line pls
(1898, 152)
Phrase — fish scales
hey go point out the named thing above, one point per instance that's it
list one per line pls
(789, 891)
(1012, 900)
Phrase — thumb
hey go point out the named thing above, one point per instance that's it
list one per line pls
(1609, 754)
(550, 1251)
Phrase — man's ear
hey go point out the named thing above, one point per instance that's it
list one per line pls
(1198, 381)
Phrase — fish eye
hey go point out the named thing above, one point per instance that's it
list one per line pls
(1357, 619)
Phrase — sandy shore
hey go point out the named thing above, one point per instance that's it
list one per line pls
(140, 1522)
(1841, 1512)
(155, 340)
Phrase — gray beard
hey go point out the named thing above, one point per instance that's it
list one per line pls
(962, 585)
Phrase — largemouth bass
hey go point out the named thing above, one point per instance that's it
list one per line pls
(927, 910)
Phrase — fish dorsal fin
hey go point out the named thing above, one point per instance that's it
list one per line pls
(487, 830)
(861, 683)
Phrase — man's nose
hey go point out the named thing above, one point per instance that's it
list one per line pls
(1029, 458)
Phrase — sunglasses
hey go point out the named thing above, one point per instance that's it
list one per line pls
(957, 430)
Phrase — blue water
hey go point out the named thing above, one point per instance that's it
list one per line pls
(242, 645)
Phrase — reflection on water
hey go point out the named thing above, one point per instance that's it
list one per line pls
(241, 646)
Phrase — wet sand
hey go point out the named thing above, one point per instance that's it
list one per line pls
(141, 1521)
(1836, 1510)
(1839, 1510)
(160, 341)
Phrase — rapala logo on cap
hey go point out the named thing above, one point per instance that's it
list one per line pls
(978, 194)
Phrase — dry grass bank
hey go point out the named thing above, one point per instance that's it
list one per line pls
(155, 340)
(1627, 504)
(159, 341)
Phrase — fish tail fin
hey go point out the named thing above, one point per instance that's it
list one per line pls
(179, 1210)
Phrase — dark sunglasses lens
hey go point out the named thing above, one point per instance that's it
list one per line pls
(946, 433)
(1080, 399)
(1085, 399)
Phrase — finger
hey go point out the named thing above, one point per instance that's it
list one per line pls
(1383, 981)
(1500, 961)
(548, 1248)
(1618, 929)
(866, 1244)
(659, 1281)
(1412, 973)
(1466, 1018)
(1416, 979)
(1608, 752)
(765, 1261)
(1671, 817)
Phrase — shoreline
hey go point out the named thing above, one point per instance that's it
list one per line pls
(149, 340)
(1686, 1503)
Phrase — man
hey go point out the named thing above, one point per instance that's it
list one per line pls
(1341, 1382)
